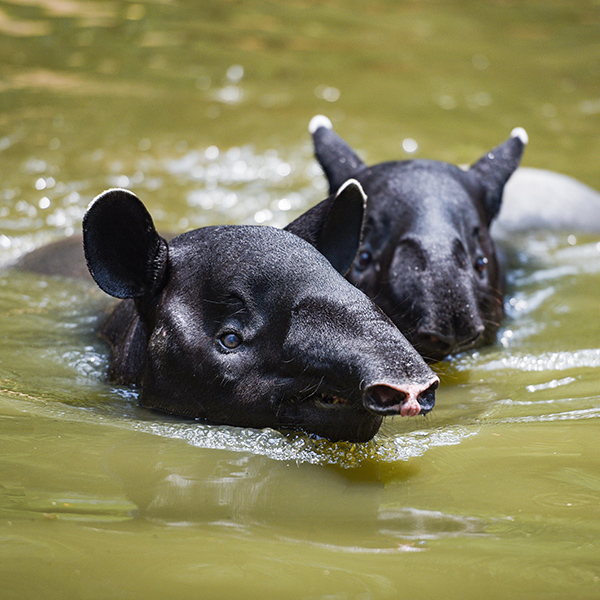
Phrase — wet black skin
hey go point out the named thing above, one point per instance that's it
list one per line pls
(427, 257)
(252, 326)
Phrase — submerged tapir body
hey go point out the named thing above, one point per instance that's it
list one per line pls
(252, 326)
(427, 257)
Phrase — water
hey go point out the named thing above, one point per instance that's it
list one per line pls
(202, 110)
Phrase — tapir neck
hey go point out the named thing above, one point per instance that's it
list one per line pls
(126, 333)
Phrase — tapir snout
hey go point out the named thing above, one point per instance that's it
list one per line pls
(439, 299)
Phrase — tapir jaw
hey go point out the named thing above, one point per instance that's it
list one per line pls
(334, 417)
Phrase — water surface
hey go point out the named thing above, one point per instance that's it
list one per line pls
(202, 108)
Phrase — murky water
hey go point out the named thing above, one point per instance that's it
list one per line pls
(201, 108)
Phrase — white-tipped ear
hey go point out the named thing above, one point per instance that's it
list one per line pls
(336, 157)
(335, 226)
(319, 121)
(520, 133)
(494, 168)
(124, 253)
(353, 183)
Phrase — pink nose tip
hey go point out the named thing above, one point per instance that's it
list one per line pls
(406, 400)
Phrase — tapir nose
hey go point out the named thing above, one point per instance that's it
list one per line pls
(405, 400)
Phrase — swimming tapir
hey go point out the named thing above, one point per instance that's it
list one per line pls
(250, 325)
(427, 257)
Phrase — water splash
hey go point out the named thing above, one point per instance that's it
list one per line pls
(300, 448)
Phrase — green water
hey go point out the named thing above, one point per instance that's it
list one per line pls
(202, 109)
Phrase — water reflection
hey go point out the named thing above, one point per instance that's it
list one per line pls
(411, 523)
(248, 491)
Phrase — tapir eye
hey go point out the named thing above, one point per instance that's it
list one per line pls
(363, 260)
(230, 340)
(481, 264)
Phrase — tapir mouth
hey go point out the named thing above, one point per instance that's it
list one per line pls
(355, 414)
(435, 346)
(330, 400)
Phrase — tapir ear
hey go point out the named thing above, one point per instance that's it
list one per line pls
(337, 159)
(493, 170)
(124, 253)
(335, 225)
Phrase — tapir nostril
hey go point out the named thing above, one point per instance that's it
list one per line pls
(408, 400)
(427, 398)
(385, 399)
(433, 347)
(437, 337)
(469, 339)
(438, 345)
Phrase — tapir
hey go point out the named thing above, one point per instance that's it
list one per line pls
(252, 326)
(427, 257)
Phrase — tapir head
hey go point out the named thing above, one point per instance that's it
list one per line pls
(427, 258)
(252, 326)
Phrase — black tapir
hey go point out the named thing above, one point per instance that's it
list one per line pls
(250, 325)
(427, 257)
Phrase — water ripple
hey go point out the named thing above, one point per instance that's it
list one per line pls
(553, 361)
(303, 449)
(571, 415)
